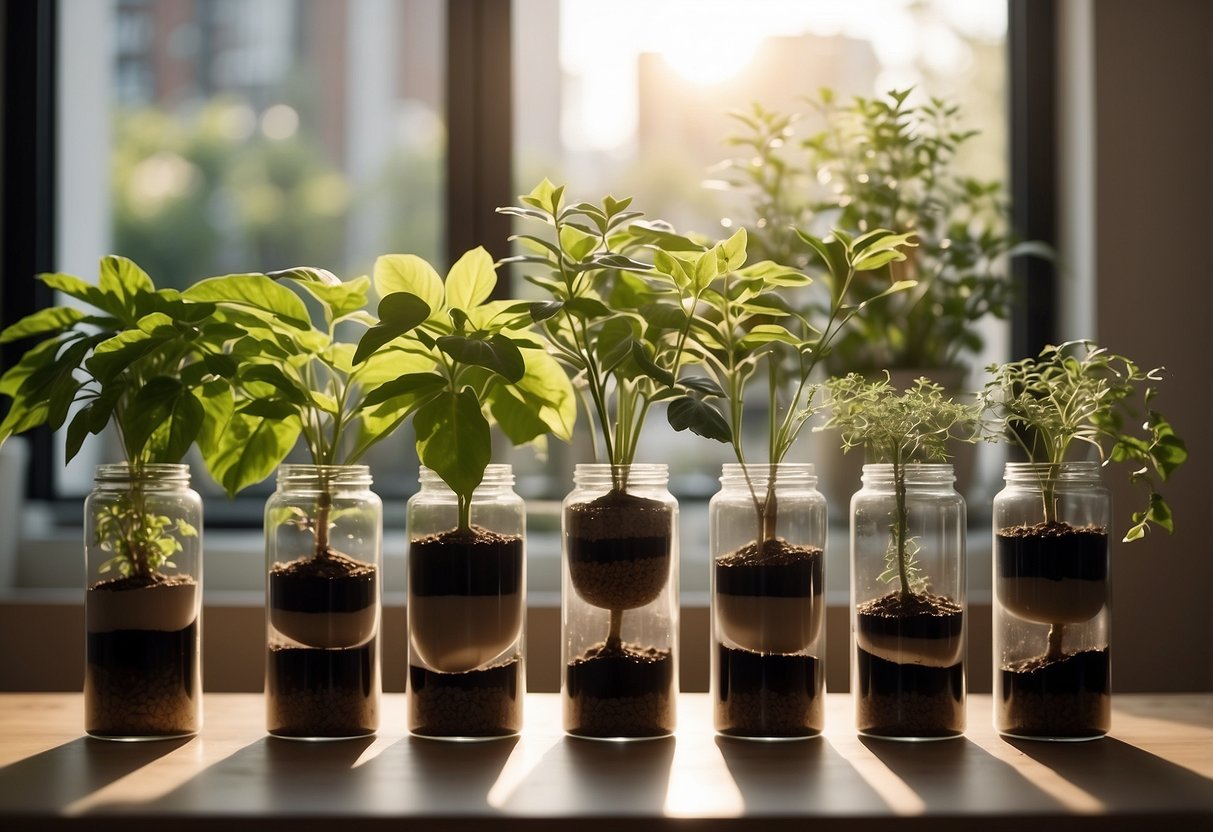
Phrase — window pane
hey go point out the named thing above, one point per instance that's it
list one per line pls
(227, 136)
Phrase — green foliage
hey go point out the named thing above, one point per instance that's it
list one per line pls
(899, 428)
(1078, 394)
(618, 323)
(469, 361)
(143, 360)
(883, 163)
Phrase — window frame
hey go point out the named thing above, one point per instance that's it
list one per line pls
(479, 101)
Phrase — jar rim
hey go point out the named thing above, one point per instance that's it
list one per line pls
(801, 473)
(302, 474)
(636, 473)
(495, 473)
(922, 473)
(1071, 470)
(117, 472)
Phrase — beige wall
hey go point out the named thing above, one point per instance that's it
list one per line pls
(1153, 260)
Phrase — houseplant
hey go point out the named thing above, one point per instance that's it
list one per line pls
(620, 522)
(145, 362)
(885, 162)
(768, 524)
(466, 527)
(1051, 526)
(907, 557)
(294, 378)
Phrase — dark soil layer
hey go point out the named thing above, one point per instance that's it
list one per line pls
(780, 570)
(1054, 551)
(311, 692)
(908, 700)
(619, 549)
(620, 693)
(768, 695)
(140, 582)
(479, 703)
(142, 683)
(331, 583)
(1068, 697)
(919, 696)
(475, 562)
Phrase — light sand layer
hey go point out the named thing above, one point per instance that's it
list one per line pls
(167, 607)
(458, 633)
(769, 624)
(326, 629)
(1044, 601)
(929, 652)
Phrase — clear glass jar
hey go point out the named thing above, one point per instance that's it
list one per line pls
(467, 609)
(908, 603)
(768, 602)
(324, 562)
(619, 605)
(1051, 593)
(142, 603)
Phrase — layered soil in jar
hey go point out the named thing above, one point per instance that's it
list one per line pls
(142, 675)
(618, 549)
(909, 666)
(769, 597)
(624, 692)
(768, 695)
(465, 598)
(478, 703)
(1068, 697)
(322, 676)
(1052, 573)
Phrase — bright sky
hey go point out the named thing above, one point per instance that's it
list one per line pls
(708, 41)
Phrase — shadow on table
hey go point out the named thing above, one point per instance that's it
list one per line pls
(1124, 777)
(957, 776)
(452, 777)
(604, 779)
(804, 776)
(60, 776)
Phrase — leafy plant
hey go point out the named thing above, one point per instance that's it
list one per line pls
(470, 360)
(899, 428)
(883, 163)
(1078, 394)
(143, 360)
(742, 322)
(596, 323)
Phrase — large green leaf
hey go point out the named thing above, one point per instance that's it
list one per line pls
(399, 314)
(243, 449)
(123, 279)
(51, 319)
(546, 383)
(265, 297)
(497, 353)
(453, 440)
(700, 418)
(74, 287)
(517, 416)
(337, 299)
(410, 385)
(166, 409)
(410, 273)
(471, 280)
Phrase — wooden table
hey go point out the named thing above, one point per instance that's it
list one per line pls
(1156, 767)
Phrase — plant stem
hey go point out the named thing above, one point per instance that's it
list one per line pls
(465, 513)
(900, 526)
(324, 506)
(1056, 631)
(614, 642)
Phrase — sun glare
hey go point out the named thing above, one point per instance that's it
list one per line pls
(709, 61)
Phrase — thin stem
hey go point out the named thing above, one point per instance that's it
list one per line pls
(1056, 632)
(614, 642)
(901, 526)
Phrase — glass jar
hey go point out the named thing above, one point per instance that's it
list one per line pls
(142, 603)
(768, 602)
(908, 603)
(619, 604)
(467, 609)
(1051, 592)
(324, 562)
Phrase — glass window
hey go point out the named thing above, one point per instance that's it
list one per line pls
(226, 136)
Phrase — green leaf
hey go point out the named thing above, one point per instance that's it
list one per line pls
(51, 319)
(73, 286)
(664, 316)
(240, 449)
(114, 355)
(399, 313)
(644, 360)
(546, 383)
(497, 353)
(614, 342)
(577, 243)
(453, 440)
(164, 406)
(268, 299)
(121, 278)
(699, 417)
(411, 385)
(270, 374)
(701, 384)
(471, 280)
(410, 273)
(338, 299)
(268, 409)
(517, 416)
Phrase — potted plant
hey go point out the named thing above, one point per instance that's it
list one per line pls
(1051, 526)
(884, 162)
(768, 523)
(145, 362)
(620, 522)
(294, 378)
(907, 557)
(466, 527)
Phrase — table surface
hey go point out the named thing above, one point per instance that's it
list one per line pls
(1156, 764)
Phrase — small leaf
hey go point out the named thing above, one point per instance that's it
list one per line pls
(497, 353)
(471, 280)
(399, 313)
(409, 273)
(702, 384)
(688, 413)
(52, 319)
(453, 440)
